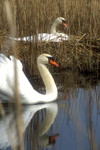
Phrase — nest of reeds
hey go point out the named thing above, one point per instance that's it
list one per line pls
(78, 53)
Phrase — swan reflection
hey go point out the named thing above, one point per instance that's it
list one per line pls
(8, 128)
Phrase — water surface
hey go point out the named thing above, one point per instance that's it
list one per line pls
(74, 118)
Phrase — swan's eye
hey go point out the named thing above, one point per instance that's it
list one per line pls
(52, 61)
(64, 23)
(50, 58)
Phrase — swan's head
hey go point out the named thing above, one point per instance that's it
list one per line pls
(46, 141)
(46, 59)
(61, 20)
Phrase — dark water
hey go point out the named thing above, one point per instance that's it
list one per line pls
(74, 118)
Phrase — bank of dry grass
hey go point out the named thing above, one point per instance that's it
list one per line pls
(35, 16)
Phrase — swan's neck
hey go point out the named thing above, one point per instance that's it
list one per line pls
(50, 86)
(53, 28)
(51, 113)
(33, 96)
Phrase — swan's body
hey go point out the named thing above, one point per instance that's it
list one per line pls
(25, 89)
(54, 36)
(8, 128)
(43, 37)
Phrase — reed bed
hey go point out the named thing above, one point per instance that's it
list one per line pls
(34, 16)
(81, 51)
(77, 55)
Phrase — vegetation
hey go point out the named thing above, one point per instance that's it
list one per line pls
(81, 52)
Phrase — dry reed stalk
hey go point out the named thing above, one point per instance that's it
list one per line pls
(36, 14)
(12, 26)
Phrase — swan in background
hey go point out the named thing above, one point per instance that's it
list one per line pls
(8, 128)
(54, 36)
(26, 92)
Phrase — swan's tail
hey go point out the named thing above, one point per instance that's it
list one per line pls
(16, 39)
(25, 39)
(3, 59)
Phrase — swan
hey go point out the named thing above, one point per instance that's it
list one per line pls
(27, 93)
(54, 36)
(8, 128)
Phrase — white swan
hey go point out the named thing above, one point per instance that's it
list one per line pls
(54, 36)
(25, 89)
(8, 128)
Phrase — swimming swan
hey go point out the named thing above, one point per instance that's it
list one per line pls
(27, 93)
(54, 36)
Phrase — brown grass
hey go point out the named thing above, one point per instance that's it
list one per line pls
(35, 16)
(38, 15)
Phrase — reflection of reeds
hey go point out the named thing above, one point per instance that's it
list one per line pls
(85, 117)
(2, 113)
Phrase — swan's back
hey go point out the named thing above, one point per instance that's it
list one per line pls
(7, 73)
(43, 37)
(7, 78)
(3, 59)
(9, 62)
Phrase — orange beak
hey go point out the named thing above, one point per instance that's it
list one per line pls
(53, 62)
(53, 138)
(65, 25)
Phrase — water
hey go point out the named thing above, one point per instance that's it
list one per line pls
(74, 118)
(79, 123)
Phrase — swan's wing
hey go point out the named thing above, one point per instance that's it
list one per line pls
(58, 37)
(7, 80)
(10, 62)
(27, 38)
(3, 59)
(4, 72)
(62, 36)
(45, 37)
(18, 62)
(42, 37)
(7, 74)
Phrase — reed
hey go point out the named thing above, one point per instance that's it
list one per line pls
(16, 108)
(35, 16)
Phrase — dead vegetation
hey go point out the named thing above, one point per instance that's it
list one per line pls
(81, 52)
